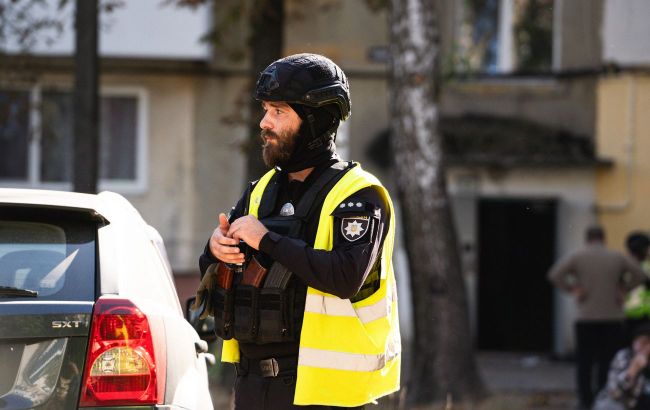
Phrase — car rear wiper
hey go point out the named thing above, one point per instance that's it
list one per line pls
(9, 291)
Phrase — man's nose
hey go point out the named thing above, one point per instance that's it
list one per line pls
(266, 123)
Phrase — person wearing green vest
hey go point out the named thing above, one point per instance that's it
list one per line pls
(637, 302)
(299, 275)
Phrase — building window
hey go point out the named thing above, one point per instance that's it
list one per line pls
(504, 36)
(118, 138)
(56, 137)
(14, 134)
(36, 139)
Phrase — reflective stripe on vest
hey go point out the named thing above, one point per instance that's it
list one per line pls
(364, 364)
(356, 362)
(334, 306)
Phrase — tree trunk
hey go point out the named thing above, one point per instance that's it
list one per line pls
(443, 359)
(86, 112)
(266, 44)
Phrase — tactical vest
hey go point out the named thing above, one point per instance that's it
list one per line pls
(349, 352)
(271, 312)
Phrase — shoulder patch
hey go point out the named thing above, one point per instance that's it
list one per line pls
(355, 228)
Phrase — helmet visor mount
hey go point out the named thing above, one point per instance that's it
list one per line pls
(267, 83)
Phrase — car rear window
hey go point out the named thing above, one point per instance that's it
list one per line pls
(50, 251)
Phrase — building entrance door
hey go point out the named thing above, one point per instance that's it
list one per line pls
(516, 248)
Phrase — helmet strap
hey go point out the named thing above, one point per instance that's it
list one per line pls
(318, 140)
(315, 141)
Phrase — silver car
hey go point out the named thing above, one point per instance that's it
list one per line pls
(89, 316)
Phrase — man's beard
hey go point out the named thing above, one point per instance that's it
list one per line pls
(279, 152)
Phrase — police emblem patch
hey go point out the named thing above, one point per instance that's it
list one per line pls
(355, 228)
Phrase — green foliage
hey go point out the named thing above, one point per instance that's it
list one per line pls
(477, 45)
(533, 34)
(228, 20)
(24, 23)
(455, 63)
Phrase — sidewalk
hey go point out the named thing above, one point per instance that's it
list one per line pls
(523, 372)
(516, 381)
(520, 381)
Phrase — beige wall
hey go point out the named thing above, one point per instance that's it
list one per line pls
(343, 32)
(624, 136)
(369, 116)
(574, 191)
(167, 202)
(566, 104)
(166, 199)
(220, 163)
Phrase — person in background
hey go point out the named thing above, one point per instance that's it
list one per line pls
(637, 303)
(596, 277)
(628, 381)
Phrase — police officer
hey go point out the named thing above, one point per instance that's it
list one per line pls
(321, 329)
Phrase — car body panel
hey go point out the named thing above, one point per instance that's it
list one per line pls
(131, 263)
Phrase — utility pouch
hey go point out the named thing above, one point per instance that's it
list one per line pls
(276, 307)
(246, 302)
(246, 318)
(223, 302)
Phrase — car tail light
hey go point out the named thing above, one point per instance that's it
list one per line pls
(121, 367)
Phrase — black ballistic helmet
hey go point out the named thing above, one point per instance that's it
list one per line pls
(308, 79)
(318, 91)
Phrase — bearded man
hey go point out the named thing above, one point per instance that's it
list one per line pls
(309, 317)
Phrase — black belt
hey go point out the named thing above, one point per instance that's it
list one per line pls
(273, 367)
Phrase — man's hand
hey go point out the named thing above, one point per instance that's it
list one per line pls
(248, 229)
(223, 246)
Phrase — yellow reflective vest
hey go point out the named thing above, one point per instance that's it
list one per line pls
(349, 352)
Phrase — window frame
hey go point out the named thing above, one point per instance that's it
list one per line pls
(506, 38)
(30, 134)
(139, 185)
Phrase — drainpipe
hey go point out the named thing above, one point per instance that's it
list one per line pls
(629, 150)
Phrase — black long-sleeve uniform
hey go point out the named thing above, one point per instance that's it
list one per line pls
(350, 268)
